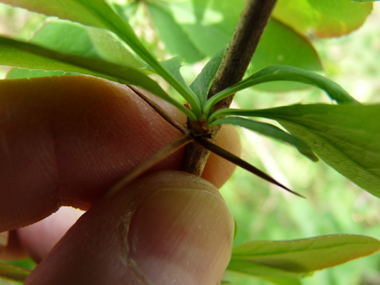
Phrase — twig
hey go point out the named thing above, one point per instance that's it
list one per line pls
(244, 41)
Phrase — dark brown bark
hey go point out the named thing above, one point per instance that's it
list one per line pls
(240, 50)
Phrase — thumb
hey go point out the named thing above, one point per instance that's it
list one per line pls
(164, 228)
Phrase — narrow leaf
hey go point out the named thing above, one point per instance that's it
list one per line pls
(96, 13)
(203, 81)
(16, 73)
(25, 55)
(13, 272)
(173, 66)
(75, 39)
(306, 255)
(268, 130)
(239, 162)
(274, 275)
(287, 73)
(345, 136)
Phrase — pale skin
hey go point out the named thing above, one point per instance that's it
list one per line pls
(64, 142)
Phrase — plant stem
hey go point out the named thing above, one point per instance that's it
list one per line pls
(243, 44)
(244, 41)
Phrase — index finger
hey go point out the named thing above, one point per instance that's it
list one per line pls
(66, 140)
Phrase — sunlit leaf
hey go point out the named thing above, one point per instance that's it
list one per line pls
(345, 136)
(306, 255)
(96, 13)
(25, 55)
(209, 26)
(13, 272)
(268, 130)
(202, 83)
(287, 73)
(174, 65)
(177, 41)
(75, 39)
(322, 18)
(75, 10)
(282, 45)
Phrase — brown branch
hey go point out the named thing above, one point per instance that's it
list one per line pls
(243, 44)
(244, 41)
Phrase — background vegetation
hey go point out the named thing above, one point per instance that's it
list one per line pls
(334, 204)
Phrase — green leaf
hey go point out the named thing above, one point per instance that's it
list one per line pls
(346, 137)
(270, 131)
(268, 273)
(209, 25)
(288, 73)
(174, 65)
(85, 12)
(177, 41)
(25, 55)
(282, 45)
(322, 18)
(15, 73)
(13, 272)
(99, 14)
(306, 255)
(202, 83)
(75, 39)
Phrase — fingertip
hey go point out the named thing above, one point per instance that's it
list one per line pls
(39, 238)
(182, 236)
(164, 227)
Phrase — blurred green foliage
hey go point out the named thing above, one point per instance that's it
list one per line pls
(334, 204)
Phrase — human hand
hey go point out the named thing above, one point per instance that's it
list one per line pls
(64, 141)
